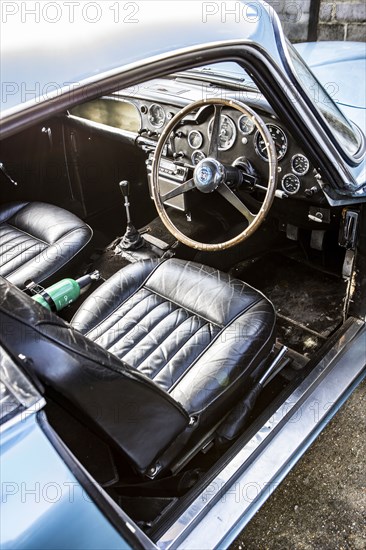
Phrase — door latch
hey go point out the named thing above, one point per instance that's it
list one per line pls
(5, 172)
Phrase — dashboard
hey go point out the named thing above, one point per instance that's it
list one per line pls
(144, 117)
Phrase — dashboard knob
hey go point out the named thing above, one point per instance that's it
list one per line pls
(310, 192)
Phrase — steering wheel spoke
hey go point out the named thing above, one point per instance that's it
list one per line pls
(182, 188)
(215, 135)
(234, 200)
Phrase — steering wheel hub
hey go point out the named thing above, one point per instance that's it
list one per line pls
(208, 175)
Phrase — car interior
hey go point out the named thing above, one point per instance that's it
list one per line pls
(222, 274)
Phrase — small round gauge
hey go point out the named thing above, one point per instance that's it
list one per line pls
(279, 138)
(290, 184)
(197, 156)
(300, 165)
(195, 139)
(227, 132)
(156, 115)
(246, 125)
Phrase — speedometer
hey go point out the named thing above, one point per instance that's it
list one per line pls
(227, 132)
(279, 139)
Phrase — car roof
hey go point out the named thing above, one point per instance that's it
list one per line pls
(43, 51)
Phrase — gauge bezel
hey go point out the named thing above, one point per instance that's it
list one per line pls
(298, 183)
(189, 139)
(296, 172)
(257, 135)
(160, 125)
(247, 133)
(233, 125)
(195, 153)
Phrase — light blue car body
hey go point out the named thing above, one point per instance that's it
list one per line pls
(341, 68)
(43, 505)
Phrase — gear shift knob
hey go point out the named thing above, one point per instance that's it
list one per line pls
(132, 239)
(124, 186)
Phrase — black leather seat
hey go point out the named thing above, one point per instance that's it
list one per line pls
(162, 352)
(37, 240)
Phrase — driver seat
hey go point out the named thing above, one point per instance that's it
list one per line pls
(163, 350)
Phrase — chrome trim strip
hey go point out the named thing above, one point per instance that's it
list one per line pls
(22, 416)
(266, 458)
(21, 388)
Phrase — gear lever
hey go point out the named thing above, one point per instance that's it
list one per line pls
(132, 239)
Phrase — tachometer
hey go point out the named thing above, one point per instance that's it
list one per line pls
(156, 115)
(300, 165)
(279, 138)
(227, 132)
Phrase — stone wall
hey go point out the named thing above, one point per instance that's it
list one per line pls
(342, 20)
(331, 19)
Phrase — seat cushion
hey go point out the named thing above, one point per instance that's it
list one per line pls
(37, 240)
(196, 332)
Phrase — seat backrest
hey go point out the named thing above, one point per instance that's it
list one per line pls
(130, 409)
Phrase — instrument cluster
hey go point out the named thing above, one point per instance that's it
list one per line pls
(238, 137)
(241, 138)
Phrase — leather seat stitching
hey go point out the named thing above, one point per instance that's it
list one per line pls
(49, 274)
(192, 335)
(11, 248)
(124, 301)
(197, 314)
(15, 228)
(18, 234)
(133, 328)
(164, 339)
(5, 233)
(243, 312)
(238, 377)
(115, 311)
(22, 252)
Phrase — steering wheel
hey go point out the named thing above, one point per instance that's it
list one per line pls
(210, 175)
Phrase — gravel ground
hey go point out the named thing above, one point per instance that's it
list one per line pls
(322, 502)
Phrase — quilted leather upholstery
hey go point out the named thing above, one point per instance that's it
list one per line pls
(193, 330)
(37, 240)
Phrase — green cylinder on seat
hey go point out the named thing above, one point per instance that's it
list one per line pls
(62, 294)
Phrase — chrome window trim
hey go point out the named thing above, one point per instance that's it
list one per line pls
(23, 415)
(29, 400)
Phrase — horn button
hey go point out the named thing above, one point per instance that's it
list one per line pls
(208, 175)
